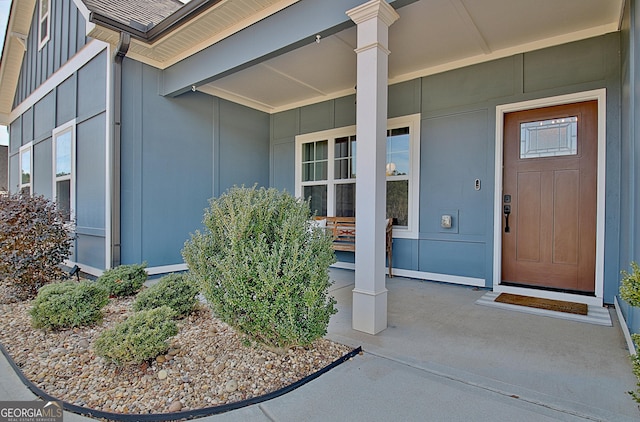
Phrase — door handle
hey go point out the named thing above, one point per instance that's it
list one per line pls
(507, 210)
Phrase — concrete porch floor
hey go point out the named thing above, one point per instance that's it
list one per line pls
(575, 368)
(444, 358)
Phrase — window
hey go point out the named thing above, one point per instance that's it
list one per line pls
(44, 24)
(26, 174)
(326, 172)
(63, 168)
(549, 138)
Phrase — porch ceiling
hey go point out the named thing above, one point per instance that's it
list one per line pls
(431, 36)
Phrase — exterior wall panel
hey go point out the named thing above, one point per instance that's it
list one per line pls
(14, 173)
(285, 124)
(567, 64)
(90, 250)
(42, 169)
(176, 152)
(283, 165)
(44, 116)
(470, 85)
(444, 257)
(450, 151)
(90, 179)
(317, 117)
(27, 126)
(345, 111)
(404, 99)
(15, 135)
(66, 101)
(405, 254)
(91, 89)
(244, 146)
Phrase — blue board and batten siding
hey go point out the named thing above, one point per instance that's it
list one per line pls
(457, 146)
(177, 153)
(82, 96)
(630, 152)
(67, 37)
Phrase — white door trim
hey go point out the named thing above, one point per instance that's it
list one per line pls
(600, 96)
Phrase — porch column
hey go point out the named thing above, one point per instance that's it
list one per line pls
(370, 294)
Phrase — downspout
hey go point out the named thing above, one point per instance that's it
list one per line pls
(121, 52)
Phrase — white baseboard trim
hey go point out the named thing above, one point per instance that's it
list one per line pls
(446, 278)
(165, 269)
(97, 272)
(625, 328)
(344, 265)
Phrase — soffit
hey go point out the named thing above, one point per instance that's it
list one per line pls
(431, 36)
(218, 22)
(17, 31)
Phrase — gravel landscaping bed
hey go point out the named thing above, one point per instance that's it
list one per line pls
(207, 365)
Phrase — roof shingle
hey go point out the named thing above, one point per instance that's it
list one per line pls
(144, 13)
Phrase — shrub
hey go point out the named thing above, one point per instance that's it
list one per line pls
(635, 362)
(630, 285)
(34, 241)
(124, 280)
(140, 337)
(263, 268)
(173, 290)
(68, 304)
(630, 292)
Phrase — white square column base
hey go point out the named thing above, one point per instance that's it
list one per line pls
(369, 311)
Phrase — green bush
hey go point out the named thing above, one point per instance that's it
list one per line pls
(34, 240)
(263, 268)
(173, 290)
(630, 285)
(140, 337)
(68, 304)
(635, 361)
(630, 292)
(125, 280)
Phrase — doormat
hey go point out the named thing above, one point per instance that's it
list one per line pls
(548, 304)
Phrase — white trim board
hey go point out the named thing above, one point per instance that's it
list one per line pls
(625, 328)
(166, 269)
(600, 96)
(421, 275)
(82, 57)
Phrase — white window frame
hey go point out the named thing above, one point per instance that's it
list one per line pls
(41, 19)
(413, 122)
(28, 147)
(69, 127)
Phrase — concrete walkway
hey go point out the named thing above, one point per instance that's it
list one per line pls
(444, 358)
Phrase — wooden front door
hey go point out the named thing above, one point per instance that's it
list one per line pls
(549, 197)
